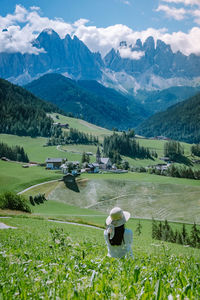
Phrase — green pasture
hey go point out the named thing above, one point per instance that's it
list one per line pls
(158, 146)
(65, 261)
(82, 125)
(35, 149)
(13, 177)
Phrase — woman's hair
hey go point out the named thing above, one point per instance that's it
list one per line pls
(118, 236)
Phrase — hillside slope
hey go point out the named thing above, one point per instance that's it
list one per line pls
(179, 122)
(101, 110)
(22, 113)
(160, 100)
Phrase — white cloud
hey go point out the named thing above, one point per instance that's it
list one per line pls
(196, 14)
(127, 53)
(185, 2)
(35, 8)
(126, 2)
(24, 25)
(172, 12)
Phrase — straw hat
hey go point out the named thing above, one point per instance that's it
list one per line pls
(117, 217)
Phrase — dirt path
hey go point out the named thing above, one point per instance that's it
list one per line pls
(33, 186)
(4, 226)
(77, 224)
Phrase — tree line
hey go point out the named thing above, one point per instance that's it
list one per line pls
(195, 149)
(116, 145)
(73, 136)
(164, 232)
(15, 153)
(175, 171)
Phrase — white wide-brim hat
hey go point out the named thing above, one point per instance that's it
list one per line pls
(117, 217)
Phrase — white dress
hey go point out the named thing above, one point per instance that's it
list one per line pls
(123, 249)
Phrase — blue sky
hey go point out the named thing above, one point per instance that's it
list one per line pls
(137, 14)
(101, 24)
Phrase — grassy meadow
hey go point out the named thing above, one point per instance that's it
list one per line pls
(47, 260)
(15, 178)
(82, 125)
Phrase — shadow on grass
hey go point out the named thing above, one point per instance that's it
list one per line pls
(72, 185)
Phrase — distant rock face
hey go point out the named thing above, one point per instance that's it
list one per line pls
(157, 59)
(70, 56)
(129, 68)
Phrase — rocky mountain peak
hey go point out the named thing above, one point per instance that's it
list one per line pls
(138, 44)
(162, 46)
(149, 44)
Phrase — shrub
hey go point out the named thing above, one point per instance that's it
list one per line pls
(10, 200)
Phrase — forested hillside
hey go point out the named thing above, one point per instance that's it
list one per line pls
(160, 100)
(179, 122)
(22, 113)
(86, 102)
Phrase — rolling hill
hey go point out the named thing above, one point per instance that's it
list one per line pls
(89, 101)
(178, 122)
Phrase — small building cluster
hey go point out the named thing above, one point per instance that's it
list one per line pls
(73, 167)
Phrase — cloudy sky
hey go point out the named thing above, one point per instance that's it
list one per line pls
(101, 24)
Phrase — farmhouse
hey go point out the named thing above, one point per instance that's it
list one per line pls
(53, 163)
(104, 162)
(70, 166)
(92, 168)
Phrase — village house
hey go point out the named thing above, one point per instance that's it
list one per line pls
(104, 162)
(66, 125)
(70, 167)
(92, 168)
(166, 159)
(54, 163)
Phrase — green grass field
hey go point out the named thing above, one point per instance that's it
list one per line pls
(35, 149)
(83, 126)
(15, 178)
(49, 260)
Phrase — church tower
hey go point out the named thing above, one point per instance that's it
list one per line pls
(98, 156)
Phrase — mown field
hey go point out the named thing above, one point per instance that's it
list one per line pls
(144, 195)
(46, 260)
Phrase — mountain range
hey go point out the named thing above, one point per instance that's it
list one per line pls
(68, 56)
(149, 66)
(120, 90)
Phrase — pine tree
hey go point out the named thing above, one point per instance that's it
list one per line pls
(138, 229)
(184, 235)
(154, 229)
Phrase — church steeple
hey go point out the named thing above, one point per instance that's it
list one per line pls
(98, 155)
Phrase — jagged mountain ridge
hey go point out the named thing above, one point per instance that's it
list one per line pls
(158, 67)
(99, 109)
(68, 56)
(158, 59)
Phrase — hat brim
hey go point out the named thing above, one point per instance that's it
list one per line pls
(120, 222)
